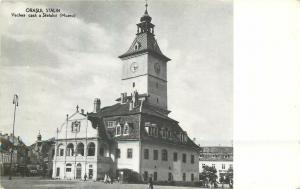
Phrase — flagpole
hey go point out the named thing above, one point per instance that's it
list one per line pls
(66, 146)
(56, 153)
(15, 102)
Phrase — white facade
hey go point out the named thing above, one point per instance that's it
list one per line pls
(133, 156)
(170, 168)
(77, 151)
(125, 160)
(147, 75)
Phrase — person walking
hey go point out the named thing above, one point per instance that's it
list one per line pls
(105, 178)
(150, 183)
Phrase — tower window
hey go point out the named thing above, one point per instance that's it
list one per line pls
(137, 46)
(157, 100)
(133, 84)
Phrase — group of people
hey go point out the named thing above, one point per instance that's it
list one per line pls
(109, 180)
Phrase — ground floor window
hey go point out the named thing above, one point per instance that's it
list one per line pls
(68, 167)
(183, 177)
(57, 171)
(170, 176)
(155, 176)
(192, 177)
(146, 176)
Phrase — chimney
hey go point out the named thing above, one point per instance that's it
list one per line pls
(97, 105)
(82, 111)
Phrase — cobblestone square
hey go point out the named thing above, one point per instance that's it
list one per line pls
(35, 182)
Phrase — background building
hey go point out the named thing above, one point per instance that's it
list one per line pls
(220, 157)
(19, 156)
(40, 157)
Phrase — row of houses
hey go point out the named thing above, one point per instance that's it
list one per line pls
(35, 159)
(40, 158)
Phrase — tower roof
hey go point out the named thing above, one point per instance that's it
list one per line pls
(145, 40)
(146, 17)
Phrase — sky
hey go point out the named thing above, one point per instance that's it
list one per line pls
(55, 64)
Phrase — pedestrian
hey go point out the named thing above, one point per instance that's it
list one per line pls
(150, 183)
(105, 178)
(108, 179)
(85, 177)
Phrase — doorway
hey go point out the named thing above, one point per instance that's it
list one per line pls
(78, 171)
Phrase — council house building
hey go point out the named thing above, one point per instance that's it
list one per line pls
(136, 132)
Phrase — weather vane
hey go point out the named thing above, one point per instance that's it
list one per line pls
(146, 5)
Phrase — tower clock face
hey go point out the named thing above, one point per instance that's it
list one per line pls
(157, 68)
(134, 67)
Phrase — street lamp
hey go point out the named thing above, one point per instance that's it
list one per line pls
(16, 103)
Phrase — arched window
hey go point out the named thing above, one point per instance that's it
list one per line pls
(164, 155)
(60, 150)
(70, 150)
(91, 149)
(80, 149)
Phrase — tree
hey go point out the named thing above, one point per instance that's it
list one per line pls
(229, 177)
(208, 175)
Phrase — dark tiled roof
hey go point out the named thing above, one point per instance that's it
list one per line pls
(216, 153)
(158, 140)
(115, 110)
(216, 149)
(147, 44)
(145, 110)
(123, 109)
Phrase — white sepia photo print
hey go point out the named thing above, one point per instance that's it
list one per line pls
(117, 94)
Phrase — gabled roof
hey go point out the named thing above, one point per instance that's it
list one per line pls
(146, 43)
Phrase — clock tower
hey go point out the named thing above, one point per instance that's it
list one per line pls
(144, 67)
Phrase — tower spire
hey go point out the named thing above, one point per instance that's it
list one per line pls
(146, 5)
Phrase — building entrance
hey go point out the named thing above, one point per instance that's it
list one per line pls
(78, 171)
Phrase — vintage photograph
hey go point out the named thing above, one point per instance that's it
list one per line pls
(116, 94)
